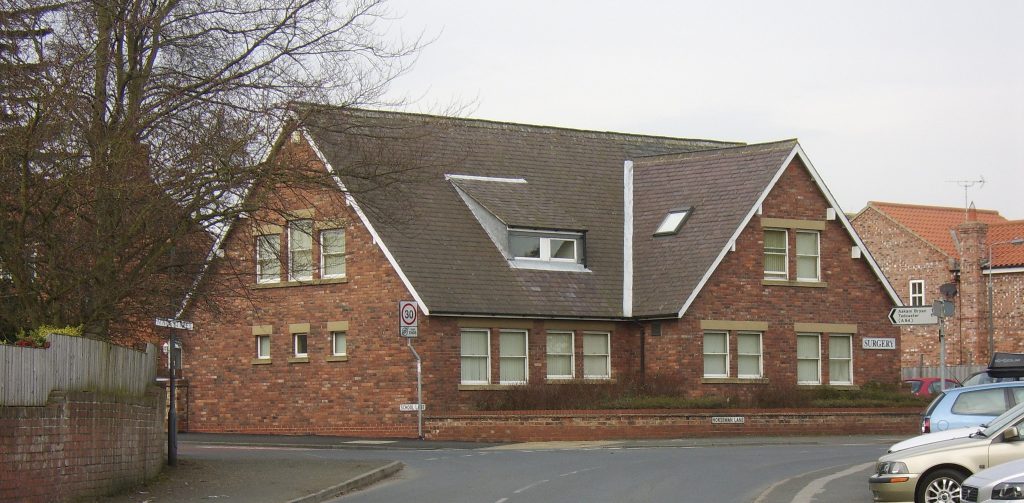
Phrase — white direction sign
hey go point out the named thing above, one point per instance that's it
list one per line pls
(173, 323)
(408, 319)
(913, 316)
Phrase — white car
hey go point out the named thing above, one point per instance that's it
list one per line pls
(938, 436)
(1000, 484)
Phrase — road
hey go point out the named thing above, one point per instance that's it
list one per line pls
(803, 471)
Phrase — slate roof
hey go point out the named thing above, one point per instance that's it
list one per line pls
(933, 223)
(722, 186)
(439, 245)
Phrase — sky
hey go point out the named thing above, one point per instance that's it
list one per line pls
(896, 101)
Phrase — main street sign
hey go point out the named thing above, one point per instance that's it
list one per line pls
(913, 316)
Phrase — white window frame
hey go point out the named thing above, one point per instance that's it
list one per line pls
(293, 229)
(917, 298)
(607, 356)
(260, 259)
(523, 359)
(705, 353)
(295, 344)
(335, 335)
(672, 222)
(545, 238)
(571, 354)
(260, 355)
(324, 254)
(487, 356)
(759, 355)
(784, 274)
(817, 359)
(849, 361)
(816, 256)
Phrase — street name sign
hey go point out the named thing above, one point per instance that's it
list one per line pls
(410, 407)
(173, 323)
(728, 420)
(408, 319)
(913, 316)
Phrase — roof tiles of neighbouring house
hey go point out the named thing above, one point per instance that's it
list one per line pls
(933, 223)
(1007, 254)
(435, 238)
(721, 187)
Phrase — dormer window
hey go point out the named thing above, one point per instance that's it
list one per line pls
(545, 246)
(672, 222)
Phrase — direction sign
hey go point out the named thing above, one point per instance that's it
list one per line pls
(408, 319)
(913, 316)
(173, 323)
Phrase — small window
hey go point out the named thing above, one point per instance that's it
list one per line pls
(552, 247)
(808, 263)
(300, 344)
(840, 359)
(596, 355)
(560, 355)
(808, 359)
(339, 343)
(917, 292)
(512, 360)
(776, 263)
(476, 356)
(300, 250)
(748, 355)
(263, 347)
(672, 222)
(268, 260)
(716, 354)
(332, 253)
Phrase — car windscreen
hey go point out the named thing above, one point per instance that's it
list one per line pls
(1009, 417)
(915, 386)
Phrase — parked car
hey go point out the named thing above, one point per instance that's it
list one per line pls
(970, 405)
(1002, 483)
(1003, 367)
(928, 386)
(938, 436)
(986, 378)
(934, 473)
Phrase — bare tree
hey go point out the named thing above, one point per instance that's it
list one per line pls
(131, 129)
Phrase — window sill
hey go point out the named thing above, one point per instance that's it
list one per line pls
(586, 380)
(308, 282)
(846, 386)
(260, 361)
(337, 358)
(299, 359)
(487, 387)
(734, 380)
(805, 284)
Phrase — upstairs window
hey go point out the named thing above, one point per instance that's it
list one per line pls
(672, 222)
(776, 262)
(300, 250)
(808, 263)
(268, 263)
(917, 292)
(545, 246)
(332, 253)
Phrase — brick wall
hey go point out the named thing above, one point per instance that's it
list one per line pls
(80, 444)
(540, 426)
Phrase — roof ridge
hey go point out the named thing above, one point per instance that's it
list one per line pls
(496, 124)
(928, 207)
(717, 151)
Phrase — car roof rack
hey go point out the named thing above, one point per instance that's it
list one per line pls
(1006, 365)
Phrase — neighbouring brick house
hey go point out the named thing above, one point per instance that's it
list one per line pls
(537, 255)
(920, 248)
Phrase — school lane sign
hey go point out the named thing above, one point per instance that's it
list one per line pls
(919, 315)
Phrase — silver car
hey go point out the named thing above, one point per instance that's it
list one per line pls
(1000, 484)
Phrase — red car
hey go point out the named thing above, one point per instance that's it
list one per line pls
(928, 386)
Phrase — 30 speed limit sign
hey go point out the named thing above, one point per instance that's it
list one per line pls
(408, 319)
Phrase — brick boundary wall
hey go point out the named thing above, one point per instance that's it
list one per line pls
(80, 444)
(539, 426)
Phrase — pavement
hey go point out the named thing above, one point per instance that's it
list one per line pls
(265, 469)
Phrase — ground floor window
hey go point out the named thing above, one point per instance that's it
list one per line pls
(808, 359)
(840, 359)
(560, 355)
(748, 355)
(475, 355)
(597, 355)
(512, 361)
(263, 347)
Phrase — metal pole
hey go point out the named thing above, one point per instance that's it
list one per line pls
(991, 323)
(942, 352)
(172, 417)
(419, 390)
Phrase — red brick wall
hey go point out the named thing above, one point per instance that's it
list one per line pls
(80, 444)
(541, 426)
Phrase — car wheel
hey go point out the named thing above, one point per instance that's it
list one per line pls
(940, 486)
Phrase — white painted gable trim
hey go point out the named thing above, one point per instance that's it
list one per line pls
(627, 239)
(351, 201)
(755, 209)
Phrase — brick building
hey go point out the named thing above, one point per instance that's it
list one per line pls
(921, 248)
(537, 255)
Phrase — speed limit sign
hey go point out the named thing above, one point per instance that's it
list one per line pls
(408, 319)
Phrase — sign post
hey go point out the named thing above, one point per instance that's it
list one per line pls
(172, 415)
(942, 309)
(408, 327)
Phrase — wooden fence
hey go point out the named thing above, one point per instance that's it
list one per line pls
(28, 375)
(958, 372)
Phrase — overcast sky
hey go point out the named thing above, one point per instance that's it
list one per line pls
(891, 100)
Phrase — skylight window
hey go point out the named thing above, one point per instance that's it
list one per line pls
(672, 222)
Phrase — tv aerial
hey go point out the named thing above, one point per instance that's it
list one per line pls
(967, 184)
